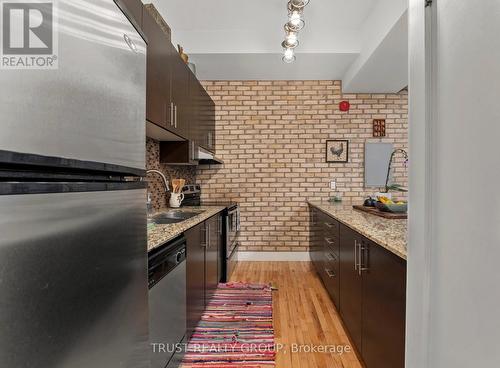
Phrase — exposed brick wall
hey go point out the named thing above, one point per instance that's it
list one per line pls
(271, 135)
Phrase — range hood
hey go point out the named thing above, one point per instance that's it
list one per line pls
(205, 157)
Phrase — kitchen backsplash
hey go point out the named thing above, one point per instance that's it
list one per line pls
(155, 183)
(272, 136)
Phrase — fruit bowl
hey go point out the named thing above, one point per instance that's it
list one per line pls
(393, 207)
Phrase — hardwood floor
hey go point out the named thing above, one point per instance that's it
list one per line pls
(303, 314)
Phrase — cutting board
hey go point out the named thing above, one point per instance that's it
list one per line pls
(377, 212)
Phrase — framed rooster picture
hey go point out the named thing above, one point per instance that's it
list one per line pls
(337, 151)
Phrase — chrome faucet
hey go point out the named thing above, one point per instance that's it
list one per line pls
(165, 181)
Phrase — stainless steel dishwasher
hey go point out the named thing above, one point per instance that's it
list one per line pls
(167, 302)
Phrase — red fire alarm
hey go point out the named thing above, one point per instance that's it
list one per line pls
(344, 106)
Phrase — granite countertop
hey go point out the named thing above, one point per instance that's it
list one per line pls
(388, 233)
(163, 233)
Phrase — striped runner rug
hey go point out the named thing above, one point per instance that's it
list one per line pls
(236, 329)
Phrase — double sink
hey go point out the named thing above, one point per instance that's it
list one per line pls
(172, 217)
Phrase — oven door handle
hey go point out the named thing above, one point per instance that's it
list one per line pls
(227, 230)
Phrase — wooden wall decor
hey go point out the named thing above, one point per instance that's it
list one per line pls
(379, 128)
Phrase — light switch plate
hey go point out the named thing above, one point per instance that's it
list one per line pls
(333, 185)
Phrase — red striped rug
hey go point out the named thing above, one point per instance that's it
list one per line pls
(236, 329)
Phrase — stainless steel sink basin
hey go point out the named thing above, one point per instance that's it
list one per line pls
(173, 217)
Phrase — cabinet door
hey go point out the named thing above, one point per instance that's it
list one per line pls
(316, 245)
(180, 95)
(133, 8)
(384, 306)
(195, 103)
(331, 274)
(350, 284)
(210, 123)
(195, 280)
(212, 257)
(158, 92)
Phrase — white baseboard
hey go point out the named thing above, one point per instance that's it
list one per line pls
(274, 256)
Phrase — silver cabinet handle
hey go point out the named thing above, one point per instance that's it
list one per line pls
(329, 225)
(359, 259)
(330, 273)
(171, 113)
(175, 119)
(203, 231)
(355, 255)
(331, 257)
(362, 266)
(329, 241)
(208, 235)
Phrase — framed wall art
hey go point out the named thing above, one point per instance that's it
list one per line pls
(337, 151)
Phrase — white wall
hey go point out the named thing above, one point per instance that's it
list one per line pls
(454, 248)
(386, 23)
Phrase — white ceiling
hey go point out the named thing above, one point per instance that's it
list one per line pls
(241, 39)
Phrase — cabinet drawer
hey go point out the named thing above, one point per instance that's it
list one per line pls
(331, 243)
(330, 226)
(330, 276)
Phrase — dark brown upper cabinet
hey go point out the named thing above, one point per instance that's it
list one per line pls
(180, 101)
(176, 100)
(158, 82)
(207, 121)
(202, 128)
(133, 10)
(167, 96)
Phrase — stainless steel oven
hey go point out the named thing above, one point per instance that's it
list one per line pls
(233, 229)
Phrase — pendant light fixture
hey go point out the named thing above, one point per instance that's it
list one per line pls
(292, 27)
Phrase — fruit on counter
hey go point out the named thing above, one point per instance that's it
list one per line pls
(385, 200)
(370, 202)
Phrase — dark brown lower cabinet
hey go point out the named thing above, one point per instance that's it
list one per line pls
(331, 274)
(367, 283)
(212, 276)
(384, 305)
(324, 252)
(202, 257)
(316, 245)
(195, 279)
(351, 282)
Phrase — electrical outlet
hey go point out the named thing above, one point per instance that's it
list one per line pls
(333, 185)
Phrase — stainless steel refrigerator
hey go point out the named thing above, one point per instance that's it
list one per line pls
(73, 253)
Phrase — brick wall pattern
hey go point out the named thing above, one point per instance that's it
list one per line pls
(271, 136)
